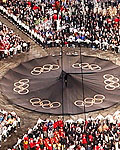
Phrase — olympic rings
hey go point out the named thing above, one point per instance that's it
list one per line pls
(55, 67)
(76, 65)
(86, 66)
(24, 80)
(88, 102)
(45, 104)
(79, 103)
(108, 76)
(21, 87)
(23, 91)
(98, 99)
(46, 68)
(95, 67)
(111, 82)
(37, 71)
(55, 104)
(18, 84)
(35, 101)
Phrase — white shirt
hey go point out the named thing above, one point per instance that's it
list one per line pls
(6, 51)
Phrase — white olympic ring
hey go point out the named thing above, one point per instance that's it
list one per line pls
(111, 82)
(46, 68)
(35, 101)
(79, 103)
(21, 87)
(37, 71)
(45, 104)
(98, 99)
(54, 104)
(108, 76)
(76, 65)
(88, 102)
(86, 66)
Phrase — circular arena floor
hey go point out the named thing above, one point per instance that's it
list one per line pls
(63, 85)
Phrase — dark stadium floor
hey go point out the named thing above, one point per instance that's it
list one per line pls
(28, 118)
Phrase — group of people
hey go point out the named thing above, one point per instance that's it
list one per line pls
(10, 43)
(90, 134)
(9, 122)
(54, 23)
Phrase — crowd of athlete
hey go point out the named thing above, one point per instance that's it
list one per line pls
(59, 135)
(9, 122)
(11, 43)
(55, 23)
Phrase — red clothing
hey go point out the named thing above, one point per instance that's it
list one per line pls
(57, 3)
(31, 139)
(53, 5)
(96, 147)
(41, 140)
(60, 130)
(66, 43)
(55, 17)
(56, 140)
(50, 147)
(26, 138)
(56, 133)
(35, 7)
(62, 8)
(1, 48)
(52, 140)
(60, 123)
(25, 144)
(86, 122)
(1, 44)
(45, 128)
(7, 46)
(62, 134)
(55, 125)
(84, 141)
(32, 144)
(38, 148)
(46, 144)
(90, 138)
(29, 3)
(108, 20)
(116, 19)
